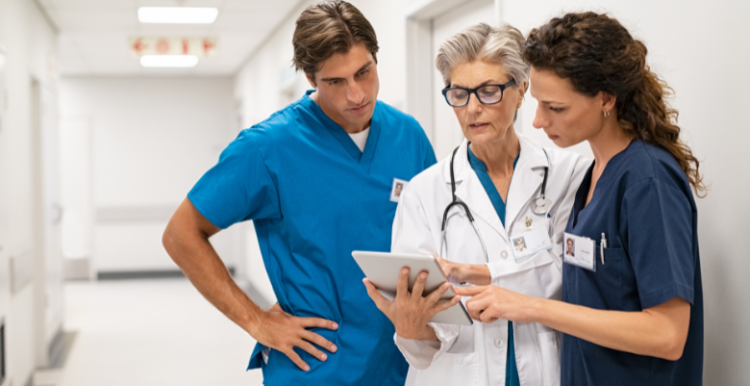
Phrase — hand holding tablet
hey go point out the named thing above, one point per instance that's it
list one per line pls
(411, 290)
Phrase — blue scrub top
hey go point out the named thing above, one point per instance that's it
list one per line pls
(511, 368)
(644, 205)
(314, 197)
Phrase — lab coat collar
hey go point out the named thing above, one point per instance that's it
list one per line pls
(527, 178)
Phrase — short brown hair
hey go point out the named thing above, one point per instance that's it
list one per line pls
(327, 28)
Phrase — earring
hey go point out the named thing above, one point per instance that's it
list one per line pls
(606, 114)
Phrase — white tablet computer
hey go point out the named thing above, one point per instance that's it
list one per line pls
(383, 269)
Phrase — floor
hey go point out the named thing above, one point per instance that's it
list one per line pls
(149, 332)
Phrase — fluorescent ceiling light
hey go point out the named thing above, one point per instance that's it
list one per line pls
(177, 15)
(169, 60)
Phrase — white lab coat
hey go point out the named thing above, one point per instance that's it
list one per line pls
(476, 355)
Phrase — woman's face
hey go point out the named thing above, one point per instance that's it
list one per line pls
(483, 124)
(566, 116)
(570, 244)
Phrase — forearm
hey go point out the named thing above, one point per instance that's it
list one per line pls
(202, 266)
(644, 333)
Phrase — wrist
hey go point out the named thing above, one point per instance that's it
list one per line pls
(253, 320)
(477, 274)
(425, 333)
(534, 309)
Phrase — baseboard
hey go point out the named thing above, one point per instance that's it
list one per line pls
(60, 347)
(145, 274)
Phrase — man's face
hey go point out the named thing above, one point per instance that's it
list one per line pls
(347, 88)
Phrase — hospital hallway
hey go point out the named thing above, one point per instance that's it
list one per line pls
(113, 111)
(149, 333)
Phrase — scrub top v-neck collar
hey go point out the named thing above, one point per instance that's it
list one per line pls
(610, 171)
(364, 158)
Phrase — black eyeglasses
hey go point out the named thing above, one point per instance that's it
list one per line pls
(488, 94)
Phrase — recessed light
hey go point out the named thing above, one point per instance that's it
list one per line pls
(177, 15)
(169, 61)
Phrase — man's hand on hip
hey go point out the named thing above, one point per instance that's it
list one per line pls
(283, 332)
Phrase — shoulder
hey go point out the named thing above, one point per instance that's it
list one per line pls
(645, 161)
(650, 165)
(429, 179)
(564, 162)
(393, 115)
(564, 159)
(279, 125)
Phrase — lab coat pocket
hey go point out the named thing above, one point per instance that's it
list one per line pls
(450, 369)
(549, 349)
(464, 343)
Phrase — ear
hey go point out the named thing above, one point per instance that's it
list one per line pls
(521, 94)
(311, 79)
(608, 101)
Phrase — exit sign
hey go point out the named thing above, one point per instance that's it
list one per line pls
(150, 45)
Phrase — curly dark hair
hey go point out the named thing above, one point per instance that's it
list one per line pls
(596, 53)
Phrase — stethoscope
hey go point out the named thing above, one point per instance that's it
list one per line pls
(541, 207)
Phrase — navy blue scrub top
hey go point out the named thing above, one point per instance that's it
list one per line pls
(314, 197)
(511, 369)
(644, 205)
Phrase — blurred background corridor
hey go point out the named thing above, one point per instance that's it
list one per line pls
(109, 114)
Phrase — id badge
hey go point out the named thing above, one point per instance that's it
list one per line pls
(579, 251)
(396, 188)
(534, 239)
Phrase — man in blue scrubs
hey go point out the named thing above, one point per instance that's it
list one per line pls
(318, 178)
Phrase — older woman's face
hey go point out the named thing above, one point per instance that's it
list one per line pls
(483, 124)
(567, 116)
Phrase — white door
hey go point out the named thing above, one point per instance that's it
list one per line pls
(447, 133)
(47, 217)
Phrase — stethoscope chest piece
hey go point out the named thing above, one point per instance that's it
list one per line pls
(541, 206)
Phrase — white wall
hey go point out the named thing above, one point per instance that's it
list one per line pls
(152, 139)
(701, 50)
(30, 42)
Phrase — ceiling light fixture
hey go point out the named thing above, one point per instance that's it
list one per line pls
(177, 15)
(164, 61)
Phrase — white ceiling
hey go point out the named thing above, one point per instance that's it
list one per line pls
(94, 34)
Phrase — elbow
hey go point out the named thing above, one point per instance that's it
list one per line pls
(169, 242)
(674, 353)
(672, 347)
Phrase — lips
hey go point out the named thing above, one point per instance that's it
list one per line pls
(359, 109)
(478, 125)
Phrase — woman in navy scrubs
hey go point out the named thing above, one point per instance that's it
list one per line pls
(632, 309)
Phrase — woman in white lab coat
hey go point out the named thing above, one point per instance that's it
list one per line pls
(485, 81)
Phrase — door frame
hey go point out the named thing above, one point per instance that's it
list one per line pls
(419, 61)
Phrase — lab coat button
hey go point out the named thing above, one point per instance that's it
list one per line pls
(499, 343)
(504, 254)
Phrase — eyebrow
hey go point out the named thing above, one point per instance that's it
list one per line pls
(486, 82)
(368, 64)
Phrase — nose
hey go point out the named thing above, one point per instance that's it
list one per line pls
(539, 120)
(474, 105)
(354, 93)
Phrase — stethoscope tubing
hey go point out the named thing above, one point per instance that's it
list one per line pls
(456, 202)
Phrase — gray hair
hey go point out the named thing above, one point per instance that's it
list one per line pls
(501, 45)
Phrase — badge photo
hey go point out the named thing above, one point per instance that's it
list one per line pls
(534, 239)
(396, 189)
(579, 251)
